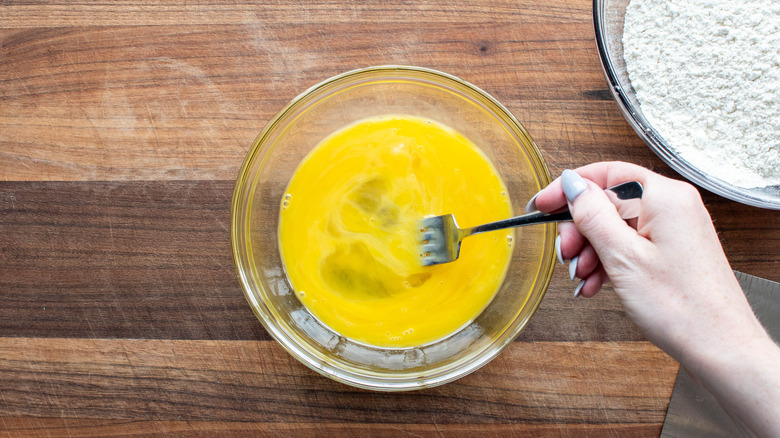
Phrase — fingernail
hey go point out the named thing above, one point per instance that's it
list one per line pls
(531, 206)
(578, 289)
(558, 249)
(572, 184)
(573, 267)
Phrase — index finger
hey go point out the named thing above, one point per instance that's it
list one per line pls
(603, 174)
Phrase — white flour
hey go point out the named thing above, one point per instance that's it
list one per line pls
(707, 76)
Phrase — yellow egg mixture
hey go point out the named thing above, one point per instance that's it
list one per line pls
(349, 238)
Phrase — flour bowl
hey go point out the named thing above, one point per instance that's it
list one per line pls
(286, 141)
(608, 20)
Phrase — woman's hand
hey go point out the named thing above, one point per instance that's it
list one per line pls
(672, 277)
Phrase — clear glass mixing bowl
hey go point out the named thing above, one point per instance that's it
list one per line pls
(608, 17)
(288, 138)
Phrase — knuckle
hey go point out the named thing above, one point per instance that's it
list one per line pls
(686, 192)
(689, 191)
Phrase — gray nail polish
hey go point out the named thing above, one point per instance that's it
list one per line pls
(573, 267)
(578, 289)
(531, 206)
(573, 184)
(558, 249)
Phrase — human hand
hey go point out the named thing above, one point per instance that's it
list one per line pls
(667, 266)
(669, 270)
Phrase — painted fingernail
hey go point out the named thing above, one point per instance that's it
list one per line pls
(531, 206)
(573, 184)
(573, 267)
(578, 289)
(558, 249)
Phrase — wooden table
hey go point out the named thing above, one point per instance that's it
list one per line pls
(122, 127)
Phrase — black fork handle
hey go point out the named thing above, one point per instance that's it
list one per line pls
(519, 221)
(624, 191)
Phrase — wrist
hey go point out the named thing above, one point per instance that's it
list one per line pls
(728, 353)
(745, 379)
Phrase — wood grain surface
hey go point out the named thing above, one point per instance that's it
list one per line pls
(122, 128)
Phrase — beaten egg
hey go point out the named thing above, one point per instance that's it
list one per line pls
(348, 232)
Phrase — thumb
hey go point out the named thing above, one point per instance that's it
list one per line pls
(597, 219)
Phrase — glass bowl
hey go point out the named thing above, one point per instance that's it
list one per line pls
(608, 17)
(288, 138)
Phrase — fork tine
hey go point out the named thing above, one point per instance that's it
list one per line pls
(431, 222)
(428, 235)
(429, 248)
(430, 261)
(434, 242)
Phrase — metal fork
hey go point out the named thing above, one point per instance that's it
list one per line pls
(440, 236)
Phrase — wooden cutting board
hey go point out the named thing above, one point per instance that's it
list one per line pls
(122, 128)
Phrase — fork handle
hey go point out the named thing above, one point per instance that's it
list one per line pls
(527, 219)
(622, 193)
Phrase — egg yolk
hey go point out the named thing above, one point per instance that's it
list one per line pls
(349, 240)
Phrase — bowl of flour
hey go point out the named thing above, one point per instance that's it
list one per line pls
(699, 81)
